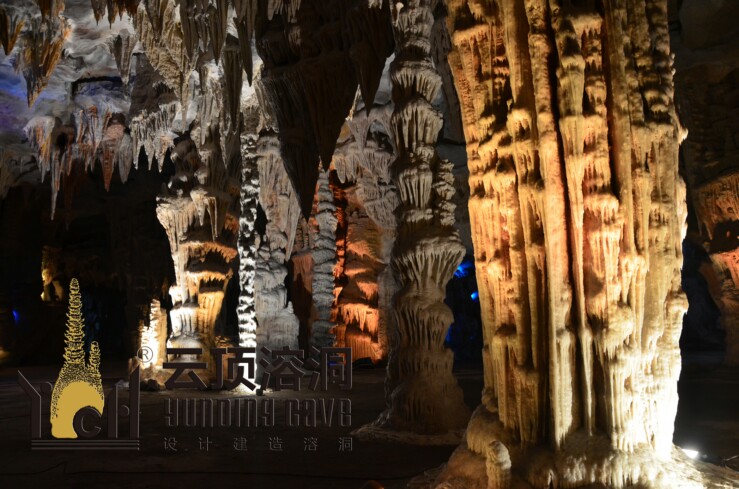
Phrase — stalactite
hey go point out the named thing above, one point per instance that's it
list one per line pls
(217, 22)
(154, 108)
(122, 50)
(232, 83)
(94, 134)
(42, 48)
(115, 151)
(50, 8)
(163, 42)
(10, 28)
(246, 16)
(114, 8)
(98, 9)
(54, 144)
(309, 96)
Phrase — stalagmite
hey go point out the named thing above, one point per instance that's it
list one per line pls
(195, 211)
(153, 340)
(324, 261)
(122, 48)
(422, 394)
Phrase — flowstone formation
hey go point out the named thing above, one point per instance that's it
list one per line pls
(315, 54)
(578, 214)
(196, 213)
(423, 397)
(365, 281)
(277, 324)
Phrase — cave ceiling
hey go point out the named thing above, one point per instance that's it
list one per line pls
(93, 82)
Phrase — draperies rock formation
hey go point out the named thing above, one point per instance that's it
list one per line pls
(196, 212)
(78, 127)
(277, 323)
(576, 205)
(420, 385)
(707, 101)
(365, 283)
(569, 118)
(315, 54)
(41, 41)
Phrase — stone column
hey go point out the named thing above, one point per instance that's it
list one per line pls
(248, 241)
(578, 214)
(277, 324)
(363, 164)
(423, 397)
(324, 262)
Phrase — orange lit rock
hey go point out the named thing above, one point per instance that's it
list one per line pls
(578, 213)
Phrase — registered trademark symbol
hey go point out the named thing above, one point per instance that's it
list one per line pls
(145, 354)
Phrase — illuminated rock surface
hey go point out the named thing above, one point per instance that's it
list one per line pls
(707, 62)
(293, 154)
(420, 385)
(366, 285)
(581, 320)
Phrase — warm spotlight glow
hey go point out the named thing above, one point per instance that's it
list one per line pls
(691, 453)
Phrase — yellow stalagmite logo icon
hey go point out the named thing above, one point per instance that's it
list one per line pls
(79, 384)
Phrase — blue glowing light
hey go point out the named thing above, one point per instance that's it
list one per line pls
(464, 269)
(16, 316)
(474, 296)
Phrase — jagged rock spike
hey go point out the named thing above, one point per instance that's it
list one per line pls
(10, 28)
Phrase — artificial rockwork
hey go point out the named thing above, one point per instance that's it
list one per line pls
(423, 397)
(578, 213)
(707, 59)
(365, 281)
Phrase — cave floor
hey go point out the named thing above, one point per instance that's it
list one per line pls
(155, 467)
(708, 419)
